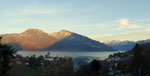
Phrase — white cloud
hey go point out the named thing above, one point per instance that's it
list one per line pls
(118, 25)
(129, 35)
(124, 22)
(130, 26)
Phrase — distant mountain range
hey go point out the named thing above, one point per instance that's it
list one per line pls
(35, 39)
(124, 45)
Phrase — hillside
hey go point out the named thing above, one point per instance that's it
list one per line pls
(35, 39)
(76, 42)
(31, 39)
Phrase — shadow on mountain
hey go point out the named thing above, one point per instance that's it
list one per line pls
(15, 46)
(76, 42)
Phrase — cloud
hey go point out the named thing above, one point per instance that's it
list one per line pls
(129, 35)
(30, 9)
(142, 20)
(119, 25)
(124, 22)
(130, 26)
(33, 11)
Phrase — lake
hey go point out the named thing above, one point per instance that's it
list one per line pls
(76, 56)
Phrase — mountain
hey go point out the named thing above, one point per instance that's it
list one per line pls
(35, 39)
(76, 42)
(120, 45)
(124, 45)
(61, 34)
(31, 39)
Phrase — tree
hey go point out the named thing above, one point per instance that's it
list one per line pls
(137, 62)
(83, 69)
(6, 53)
(95, 65)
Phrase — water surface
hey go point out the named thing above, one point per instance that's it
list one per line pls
(101, 55)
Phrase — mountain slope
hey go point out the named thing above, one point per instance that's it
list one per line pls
(30, 39)
(76, 42)
(61, 34)
(35, 39)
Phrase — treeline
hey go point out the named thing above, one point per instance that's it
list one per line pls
(94, 68)
(140, 62)
(6, 55)
(39, 66)
(57, 67)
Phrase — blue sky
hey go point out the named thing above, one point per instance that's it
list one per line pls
(98, 19)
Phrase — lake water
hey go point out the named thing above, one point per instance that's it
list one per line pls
(97, 55)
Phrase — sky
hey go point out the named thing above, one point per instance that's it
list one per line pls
(98, 19)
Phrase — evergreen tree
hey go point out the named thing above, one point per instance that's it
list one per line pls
(95, 65)
(137, 62)
(6, 53)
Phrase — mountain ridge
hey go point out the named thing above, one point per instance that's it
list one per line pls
(61, 34)
(124, 45)
(34, 39)
(78, 41)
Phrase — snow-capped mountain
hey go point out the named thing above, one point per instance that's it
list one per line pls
(120, 44)
(124, 45)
